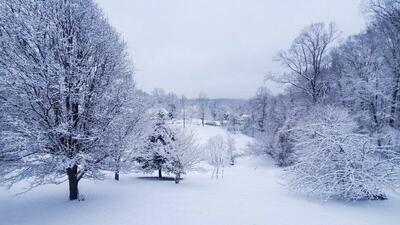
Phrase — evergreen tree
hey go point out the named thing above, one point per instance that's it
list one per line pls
(156, 154)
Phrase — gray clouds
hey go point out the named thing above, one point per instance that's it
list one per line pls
(221, 47)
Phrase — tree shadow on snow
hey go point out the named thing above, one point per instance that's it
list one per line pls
(158, 178)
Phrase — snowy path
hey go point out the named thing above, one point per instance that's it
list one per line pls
(249, 194)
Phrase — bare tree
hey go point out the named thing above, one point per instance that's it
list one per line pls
(128, 133)
(186, 153)
(231, 148)
(259, 106)
(183, 107)
(202, 104)
(217, 154)
(307, 59)
(386, 19)
(214, 109)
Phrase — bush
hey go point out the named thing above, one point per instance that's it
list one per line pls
(334, 161)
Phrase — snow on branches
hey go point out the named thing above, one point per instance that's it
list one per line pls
(217, 155)
(335, 161)
(168, 148)
(186, 152)
(65, 75)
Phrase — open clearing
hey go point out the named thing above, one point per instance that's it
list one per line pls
(249, 194)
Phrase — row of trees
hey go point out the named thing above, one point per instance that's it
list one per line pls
(226, 112)
(337, 126)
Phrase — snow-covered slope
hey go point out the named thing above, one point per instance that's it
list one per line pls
(204, 133)
(249, 194)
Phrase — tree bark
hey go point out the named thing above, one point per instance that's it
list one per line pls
(177, 178)
(72, 173)
(159, 173)
(394, 99)
(116, 176)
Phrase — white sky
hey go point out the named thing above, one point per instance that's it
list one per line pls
(220, 47)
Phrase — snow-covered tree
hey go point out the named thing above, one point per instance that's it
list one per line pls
(168, 149)
(128, 133)
(365, 78)
(231, 148)
(308, 60)
(169, 101)
(183, 109)
(386, 22)
(186, 153)
(202, 102)
(335, 161)
(64, 75)
(259, 107)
(213, 109)
(270, 118)
(233, 122)
(361, 76)
(217, 155)
(156, 154)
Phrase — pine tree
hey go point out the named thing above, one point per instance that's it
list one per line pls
(156, 154)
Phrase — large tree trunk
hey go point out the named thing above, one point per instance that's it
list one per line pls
(116, 176)
(159, 173)
(73, 182)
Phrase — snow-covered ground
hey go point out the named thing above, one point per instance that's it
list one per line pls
(249, 194)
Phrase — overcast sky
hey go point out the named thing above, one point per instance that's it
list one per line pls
(220, 47)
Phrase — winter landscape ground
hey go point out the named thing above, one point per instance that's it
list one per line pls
(251, 193)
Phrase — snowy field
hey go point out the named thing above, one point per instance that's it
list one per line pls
(249, 194)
